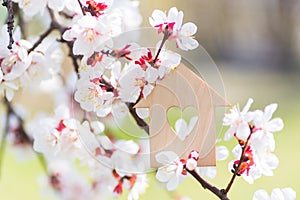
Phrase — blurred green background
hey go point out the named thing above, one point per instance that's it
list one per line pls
(256, 46)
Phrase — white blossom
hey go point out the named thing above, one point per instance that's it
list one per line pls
(277, 194)
(135, 81)
(238, 121)
(130, 14)
(171, 171)
(89, 34)
(160, 20)
(57, 136)
(263, 138)
(184, 37)
(93, 98)
(32, 7)
(183, 34)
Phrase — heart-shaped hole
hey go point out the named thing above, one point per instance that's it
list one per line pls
(182, 121)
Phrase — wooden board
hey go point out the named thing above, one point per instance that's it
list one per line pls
(182, 88)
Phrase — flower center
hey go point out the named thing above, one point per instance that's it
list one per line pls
(90, 34)
(139, 82)
(8, 63)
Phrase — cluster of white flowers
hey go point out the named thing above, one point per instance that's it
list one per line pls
(255, 130)
(63, 140)
(277, 194)
(103, 81)
(20, 68)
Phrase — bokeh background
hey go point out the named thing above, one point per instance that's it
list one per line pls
(256, 46)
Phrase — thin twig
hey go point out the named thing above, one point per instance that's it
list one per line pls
(65, 15)
(74, 58)
(10, 21)
(81, 7)
(218, 192)
(140, 122)
(41, 39)
(165, 38)
(236, 172)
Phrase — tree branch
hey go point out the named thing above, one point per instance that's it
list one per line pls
(218, 192)
(81, 7)
(22, 137)
(41, 38)
(140, 122)
(236, 172)
(165, 38)
(62, 29)
(10, 21)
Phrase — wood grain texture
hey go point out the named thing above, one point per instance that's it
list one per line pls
(182, 88)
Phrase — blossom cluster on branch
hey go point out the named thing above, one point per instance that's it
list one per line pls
(105, 83)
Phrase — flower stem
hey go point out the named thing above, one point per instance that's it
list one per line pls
(81, 7)
(218, 192)
(165, 38)
(41, 39)
(236, 172)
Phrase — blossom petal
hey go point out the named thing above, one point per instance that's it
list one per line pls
(57, 5)
(243, 131)
(188, 29)
(209, 172)
(166, 157)
(142, 112)
(147, 90)
(274, 125)
(98, 127)
(173, 183)
(162, 175)
(289, 193)
(157, 17)
(277, 194)
(222, 153)
(261, 195)
(272, 161)
(181, 128)
(269, 110)
(191, 164)
(128, 146)
(81, 48)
